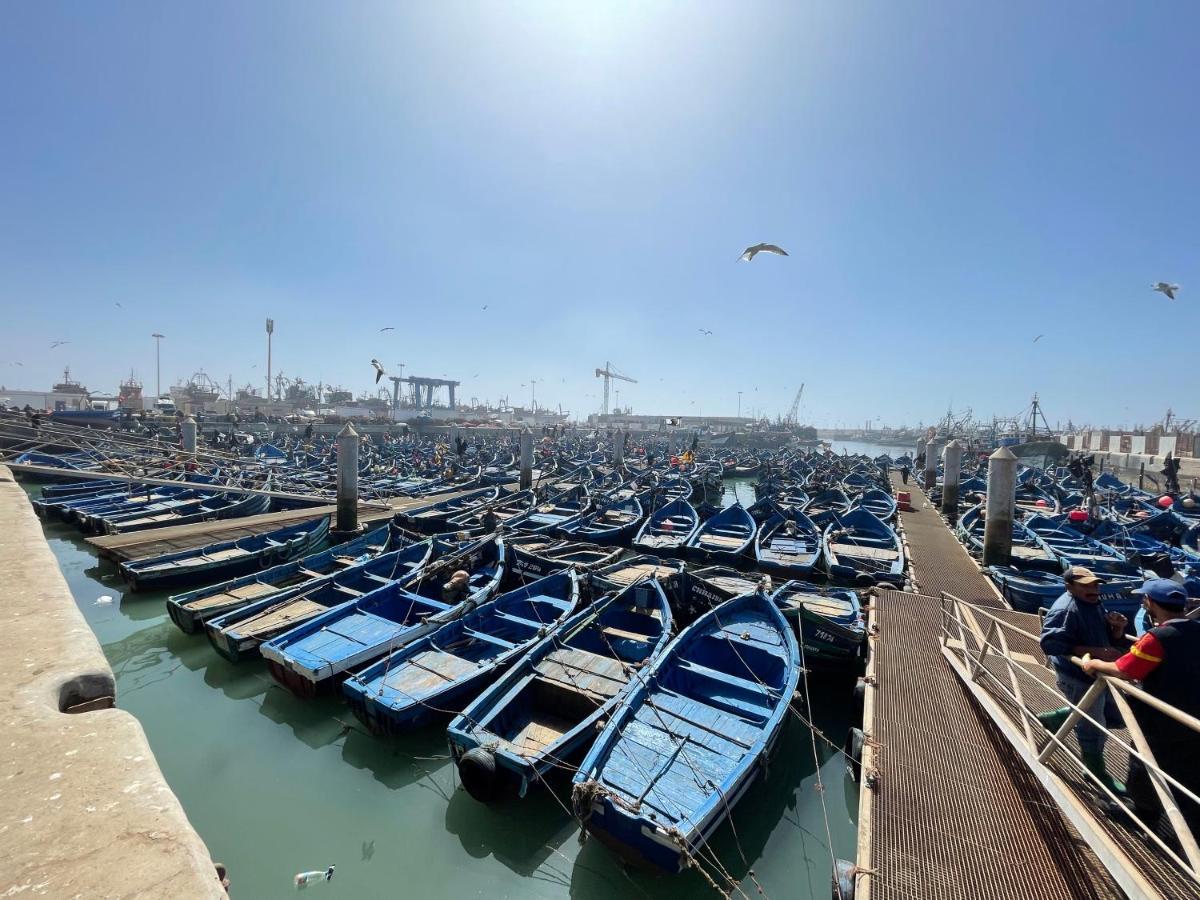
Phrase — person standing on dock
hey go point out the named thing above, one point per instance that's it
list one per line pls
(1166, 660)
(904, 471)
(1077, 625)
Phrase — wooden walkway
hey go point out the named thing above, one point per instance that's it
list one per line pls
(156, 541)
(947, 809)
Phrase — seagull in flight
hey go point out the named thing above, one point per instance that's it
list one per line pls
(1038, 338)
(752, 252)
(119, 306)
(58, 344)
(485, 306)
(1164, 288)
(379, 372)
(704, 330)
(389, 328)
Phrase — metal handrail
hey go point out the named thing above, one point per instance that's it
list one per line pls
(953, 623)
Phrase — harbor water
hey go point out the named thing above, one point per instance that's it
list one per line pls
(276, 785)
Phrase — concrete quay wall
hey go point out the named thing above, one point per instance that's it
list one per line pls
(84, 809)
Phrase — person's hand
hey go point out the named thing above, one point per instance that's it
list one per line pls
(1116, 621)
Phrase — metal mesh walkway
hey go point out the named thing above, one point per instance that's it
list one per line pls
(939, 561)
(954, 813)
(950, 810)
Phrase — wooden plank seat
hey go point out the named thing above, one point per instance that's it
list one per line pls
(864, 552)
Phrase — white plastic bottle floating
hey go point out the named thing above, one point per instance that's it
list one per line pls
(304, 879)
(104, 600)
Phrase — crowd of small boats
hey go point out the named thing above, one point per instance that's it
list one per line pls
(1120, 532)
(616, 622)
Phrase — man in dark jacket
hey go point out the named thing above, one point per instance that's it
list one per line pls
(1166, 660)
(1078, 625)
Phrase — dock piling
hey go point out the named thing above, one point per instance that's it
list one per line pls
(526, 459)
(347, 481)
(619, 449)
(930, 464)
(187, 431)
(953, 464)
(1001, 505)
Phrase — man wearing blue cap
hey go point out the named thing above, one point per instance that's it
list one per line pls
(1166, 660)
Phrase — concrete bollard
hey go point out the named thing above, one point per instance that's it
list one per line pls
(347, 481)
(188, 431)
(526, 459)
(930, 464)
(619, 449)
(1001, 506)
(454, 439)
(953, 465)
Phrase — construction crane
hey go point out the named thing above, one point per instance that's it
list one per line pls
(608, 374)
(795, 410)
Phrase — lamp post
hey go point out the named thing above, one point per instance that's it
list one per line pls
(157, 364)
(270, 331)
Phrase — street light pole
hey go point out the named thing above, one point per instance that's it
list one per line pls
(270, 331)
(157, 364)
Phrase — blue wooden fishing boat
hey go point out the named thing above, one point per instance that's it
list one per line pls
(788, 544)
(860, 549)
(726, 537)
(440, 673)
(879, 503)
(668, 529)
(223, 506)
(191, 610)
(832, 500)
(1028, 550)
(546, 709)
(473, 521)
(434, 517)
(539, 555)
(1073, 548)
(611, 523)
(237, 635)
(829, 622)
(92, 516)
(314, 655)
(1029, 590)
(226, 559)
(633, 569)
(547, 515)
(693, 733)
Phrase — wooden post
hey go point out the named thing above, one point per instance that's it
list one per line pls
(347, 481)
(526, 459)
(953, 464)
(1001, 505)
(930, 464)
(1141, 476)
(619, 449)
(188, 432)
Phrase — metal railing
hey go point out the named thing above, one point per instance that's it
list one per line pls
(972, 637)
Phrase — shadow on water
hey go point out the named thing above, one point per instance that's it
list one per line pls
(417, 758)
(531, 850)
(317, 722)
(771, 804)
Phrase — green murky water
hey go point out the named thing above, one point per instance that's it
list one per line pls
(276, 785)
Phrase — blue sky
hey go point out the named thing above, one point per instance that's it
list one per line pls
(951, 180)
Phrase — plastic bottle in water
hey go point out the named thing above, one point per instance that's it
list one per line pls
(305, 878)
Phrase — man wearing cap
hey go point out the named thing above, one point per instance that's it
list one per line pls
(1077, 625)
(1166, 660)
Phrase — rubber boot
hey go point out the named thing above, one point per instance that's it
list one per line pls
(1054, 719)
(1095, 764)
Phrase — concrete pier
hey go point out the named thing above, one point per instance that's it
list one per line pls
(950, 477)
(347, 481)
(1000, 509)
(526, 476)
(84, 809)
